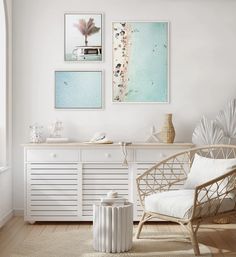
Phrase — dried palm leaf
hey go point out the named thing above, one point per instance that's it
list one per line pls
(86, 28)
(207, 133)
(226, 119)
(90, 25)
(94, 30)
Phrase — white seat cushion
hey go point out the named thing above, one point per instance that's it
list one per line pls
(178, 203)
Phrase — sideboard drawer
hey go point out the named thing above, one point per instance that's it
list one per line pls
(104, 155)
(153, 155)
(52, 155)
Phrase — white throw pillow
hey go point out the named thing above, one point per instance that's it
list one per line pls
(204, 169)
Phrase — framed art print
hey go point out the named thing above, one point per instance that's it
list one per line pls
(140, 62)
(83, 37)
(78, 90)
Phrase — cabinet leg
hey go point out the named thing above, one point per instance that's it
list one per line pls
(31, 222)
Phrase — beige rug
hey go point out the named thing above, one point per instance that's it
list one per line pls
(79, 244)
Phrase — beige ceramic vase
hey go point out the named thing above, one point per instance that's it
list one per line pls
(167, 134)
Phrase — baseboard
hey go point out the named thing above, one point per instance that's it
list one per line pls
(6, 218)
(18, 212)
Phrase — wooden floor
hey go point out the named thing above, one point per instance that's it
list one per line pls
(221, 239)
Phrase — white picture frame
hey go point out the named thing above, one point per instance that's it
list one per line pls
(134, 63)
(87, 47)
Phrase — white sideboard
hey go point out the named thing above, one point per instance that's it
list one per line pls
(63, 181)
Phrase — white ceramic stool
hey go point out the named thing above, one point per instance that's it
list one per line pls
(112, 228)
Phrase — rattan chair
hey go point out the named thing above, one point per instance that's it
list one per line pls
(170, 174)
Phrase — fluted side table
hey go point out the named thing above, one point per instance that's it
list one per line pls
(112, 228)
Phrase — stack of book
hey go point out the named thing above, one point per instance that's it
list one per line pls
(115, 201)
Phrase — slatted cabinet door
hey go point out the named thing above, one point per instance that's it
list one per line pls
(140, 169)
(97, 180)
(52, 191)
(63, 181)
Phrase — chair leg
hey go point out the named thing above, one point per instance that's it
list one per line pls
(140, 226)
(193, 237)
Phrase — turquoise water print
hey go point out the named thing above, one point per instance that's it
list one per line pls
(140, 62)
(78, 89)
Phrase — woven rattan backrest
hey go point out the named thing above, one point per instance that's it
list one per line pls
(215, 152)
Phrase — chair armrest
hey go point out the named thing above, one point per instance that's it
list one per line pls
(165, 175)
(209, 196)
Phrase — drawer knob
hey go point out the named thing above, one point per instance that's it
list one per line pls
(107, 155)
(162, 155)
(53, 155)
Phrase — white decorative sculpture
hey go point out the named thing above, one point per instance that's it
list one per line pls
(56, 129)
(112, 194)
(207, 132)
(36, 133)
(99, 137)
(222, 130)
(153, 138)
(226, 119)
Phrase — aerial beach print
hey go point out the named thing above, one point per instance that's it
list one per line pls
(78, 89)
(140, 62)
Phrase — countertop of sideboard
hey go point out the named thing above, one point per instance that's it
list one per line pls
(115, 144)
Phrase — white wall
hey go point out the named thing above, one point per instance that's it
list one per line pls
(202, 69)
